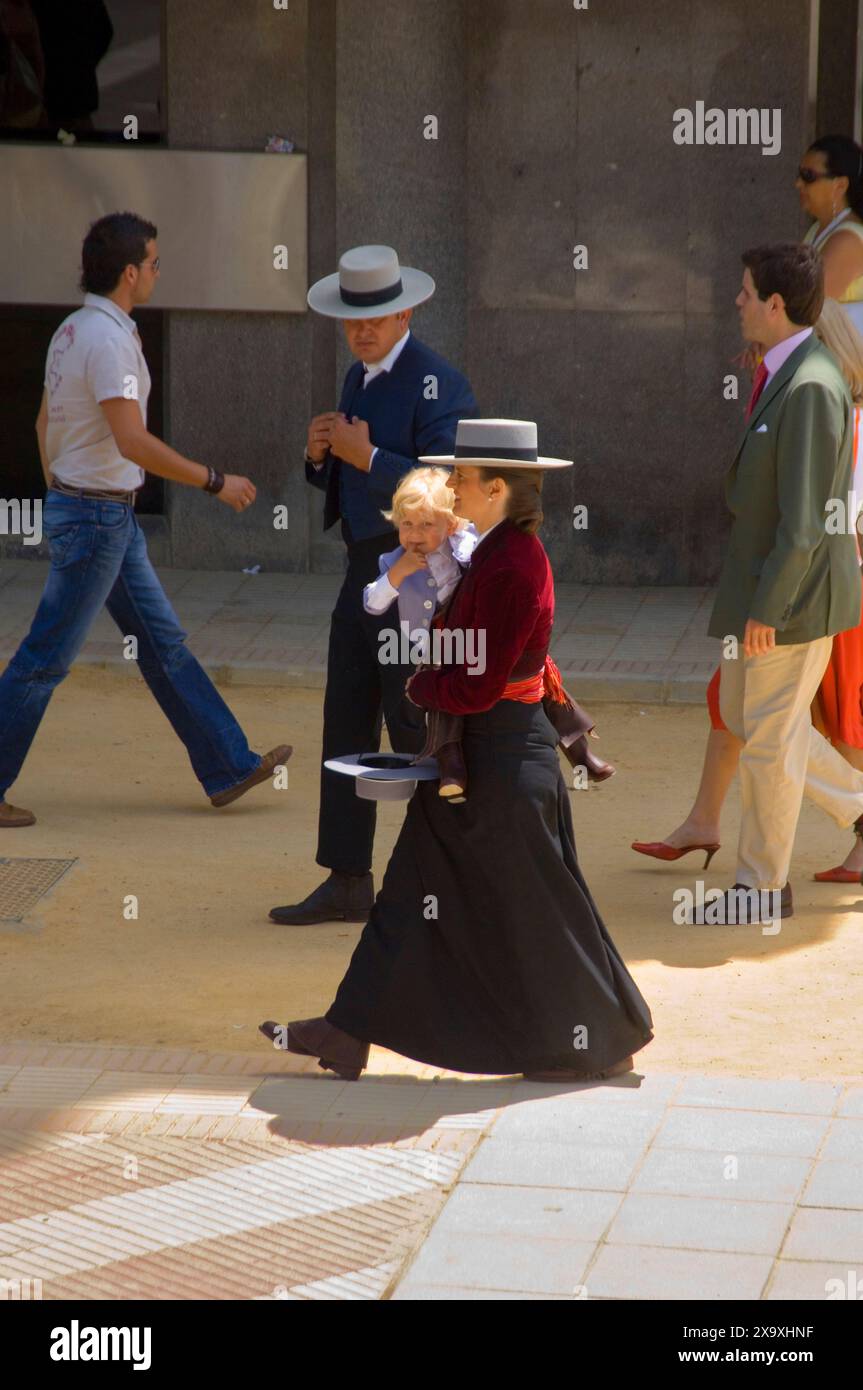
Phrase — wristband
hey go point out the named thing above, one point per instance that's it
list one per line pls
(215, 481)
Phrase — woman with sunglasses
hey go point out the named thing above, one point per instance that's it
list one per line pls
(830, 186)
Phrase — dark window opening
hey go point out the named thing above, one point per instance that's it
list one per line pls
(80, 67)
(25, 332)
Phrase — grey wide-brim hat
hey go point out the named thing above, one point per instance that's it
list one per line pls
(496, 443)
(385, 782)
(369, 283)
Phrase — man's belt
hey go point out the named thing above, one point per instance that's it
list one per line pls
(95, 494)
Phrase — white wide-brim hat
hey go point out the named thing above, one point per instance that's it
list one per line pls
(498, 444)
(383, 783)
(369, 283)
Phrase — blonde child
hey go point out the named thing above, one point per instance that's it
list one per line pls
(419, 576)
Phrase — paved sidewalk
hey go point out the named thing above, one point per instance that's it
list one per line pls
(156, 1174)
(644, 644)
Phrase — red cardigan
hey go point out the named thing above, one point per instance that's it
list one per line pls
(508, 592)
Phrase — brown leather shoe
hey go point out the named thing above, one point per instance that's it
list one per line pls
(269, 761)
(453, 773)
(11, 817)
(315, 1037)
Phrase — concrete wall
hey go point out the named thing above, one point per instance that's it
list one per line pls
(555, 128)
(239, 385)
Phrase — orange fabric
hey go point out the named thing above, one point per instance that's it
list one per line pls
(546, 683)
(839, 692)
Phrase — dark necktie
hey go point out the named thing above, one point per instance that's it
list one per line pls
(757, 387)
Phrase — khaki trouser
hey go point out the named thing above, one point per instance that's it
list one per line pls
(765, 701)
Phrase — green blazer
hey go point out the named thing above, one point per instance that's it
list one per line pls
(783, 567)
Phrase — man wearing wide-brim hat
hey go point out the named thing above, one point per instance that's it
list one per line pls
(399, 400)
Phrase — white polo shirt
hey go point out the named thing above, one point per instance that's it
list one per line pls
(94, 355)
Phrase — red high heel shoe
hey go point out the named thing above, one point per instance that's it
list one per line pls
(658, 849)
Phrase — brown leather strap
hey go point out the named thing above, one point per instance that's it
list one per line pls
(94, 494)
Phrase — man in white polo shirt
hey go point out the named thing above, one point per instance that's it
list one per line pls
(95, 449)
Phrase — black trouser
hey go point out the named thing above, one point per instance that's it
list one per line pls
(360, 691)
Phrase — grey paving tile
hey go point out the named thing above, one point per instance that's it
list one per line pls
(555, 1213)
(844, 1140)
(527, 1264)
(657, 648)
(577, 1121)
(741, 1131)
(642, 1091)
(852, 1101)
(815, 1281)
(739, 1093)
(821, 1234)
(529, 1164)
(644, 1272)
(749, 1178)
(700, 1223)
(440, 1293)
(834, 1184)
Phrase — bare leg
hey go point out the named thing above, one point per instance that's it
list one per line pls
(720, 764)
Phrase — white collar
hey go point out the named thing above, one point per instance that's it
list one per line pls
(464, 542)
(482, 534)
(776, 356)
(387, 363)
(100, 301)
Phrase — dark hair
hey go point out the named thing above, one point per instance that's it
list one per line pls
(795, 272)
(112, 243)
(524, 502)
(844, 157)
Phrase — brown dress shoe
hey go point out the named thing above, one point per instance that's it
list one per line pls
(269, 761)
(12, 816)
(314, 1037)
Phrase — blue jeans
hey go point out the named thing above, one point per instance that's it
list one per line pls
(99, 558)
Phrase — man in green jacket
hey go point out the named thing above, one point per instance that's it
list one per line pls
(788, 583)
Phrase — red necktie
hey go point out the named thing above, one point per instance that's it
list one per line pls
(757, 388)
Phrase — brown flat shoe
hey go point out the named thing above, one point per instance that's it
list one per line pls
(566, 1074)
(314, 1037)
(269, 761)
(12, 817)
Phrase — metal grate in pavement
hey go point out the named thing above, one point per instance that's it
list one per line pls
(24, 881)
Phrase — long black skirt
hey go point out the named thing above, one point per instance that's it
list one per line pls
(484, 950)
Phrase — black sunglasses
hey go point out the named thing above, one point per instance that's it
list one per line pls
(812, 176)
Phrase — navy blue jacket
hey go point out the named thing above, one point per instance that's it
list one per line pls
(403, 424)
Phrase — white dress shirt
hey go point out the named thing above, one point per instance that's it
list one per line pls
(94, 356)
(776, 356)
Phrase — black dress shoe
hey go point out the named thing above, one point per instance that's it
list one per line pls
(742, 905)
(342, 898)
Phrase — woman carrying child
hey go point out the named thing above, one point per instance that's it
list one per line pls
(484, 951)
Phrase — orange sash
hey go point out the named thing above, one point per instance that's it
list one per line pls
(546, 684)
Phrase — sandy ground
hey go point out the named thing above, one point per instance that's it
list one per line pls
(202, 966)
